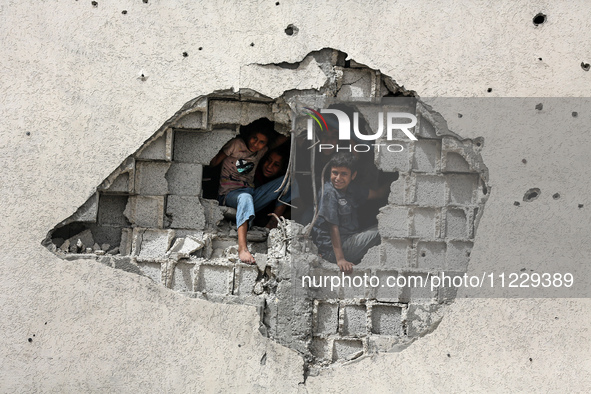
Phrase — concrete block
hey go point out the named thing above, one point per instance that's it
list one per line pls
(126, 243)
(152, 243)
(396, 253)
(454, 162)
(150, 178)
(390, 158)
(345, 349)
(355, 84)
(430, 190)
(106, 235)
(386, 320)
(151, 270)
(456, 224)
(245, 279)
(145, 211)
(199, 147)
(426, 223)
(184, 179)
(126, 264)
(321, 349)
(462, 188)
(213, 213)
(224, 112)
(185, 212)
(253, 111)
(393, 222)
(154, 150)
(215, 279)
(193, 120)
(87, 211)
(418, 288)
(354, 320)
(399, 191)
(458, 255)
(431, 256)
(387, 290)
(427, 156)
(120, 184)
(111, 209)
(326, 319)
(182, 279)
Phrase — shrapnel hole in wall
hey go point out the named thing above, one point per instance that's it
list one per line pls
(157, 215)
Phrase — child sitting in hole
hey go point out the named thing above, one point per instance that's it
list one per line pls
(336, 230)
(239, 158)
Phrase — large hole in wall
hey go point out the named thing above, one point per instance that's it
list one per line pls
(158, 215)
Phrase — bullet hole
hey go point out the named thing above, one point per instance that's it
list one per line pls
(252, 44)
(580, 205)
(556, 196)
(185, 54)
(291, 30)
(28, 133)
(585, 66)
(489, 90)
(30, 340)
(539, 106)
(239, 345)
(124, 12)
(277, 3)
(575, 114)
(33, 334)
(94, 4)
(145, 1)
(516, 203)
(467, 254)
(523, 270)
(264, 359)
(524, 161)
(539, 19)
(460, 115)
(531, 194)
(555, 317)
(540, 59)
(530, 359)
(423, 254)
(45, 323)
(448, 355)
(478, 144)
(200, 48)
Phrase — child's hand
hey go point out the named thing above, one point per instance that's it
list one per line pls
(345, 266)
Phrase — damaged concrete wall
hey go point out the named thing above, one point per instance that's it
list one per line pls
(89, 84)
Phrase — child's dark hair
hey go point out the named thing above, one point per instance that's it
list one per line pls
(263, 126)
(343, 159)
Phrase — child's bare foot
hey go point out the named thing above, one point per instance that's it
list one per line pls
(246, 257)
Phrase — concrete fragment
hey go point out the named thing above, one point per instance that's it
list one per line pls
(65, 247)
(183, 247)
(151, 270)
(150, 178)
(87, 211)
(186, 212)
(115, 250)
(96, 247)
(155, 149)
(126, 243)
(105, 247)
(355, 84)
(193, 120)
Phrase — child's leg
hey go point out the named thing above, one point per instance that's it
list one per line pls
(357, 245)
(242, 200)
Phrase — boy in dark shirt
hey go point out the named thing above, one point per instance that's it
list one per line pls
(336, 231)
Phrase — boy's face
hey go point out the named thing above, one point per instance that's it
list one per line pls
(256, 142)
(272, 165)
(340, 177)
